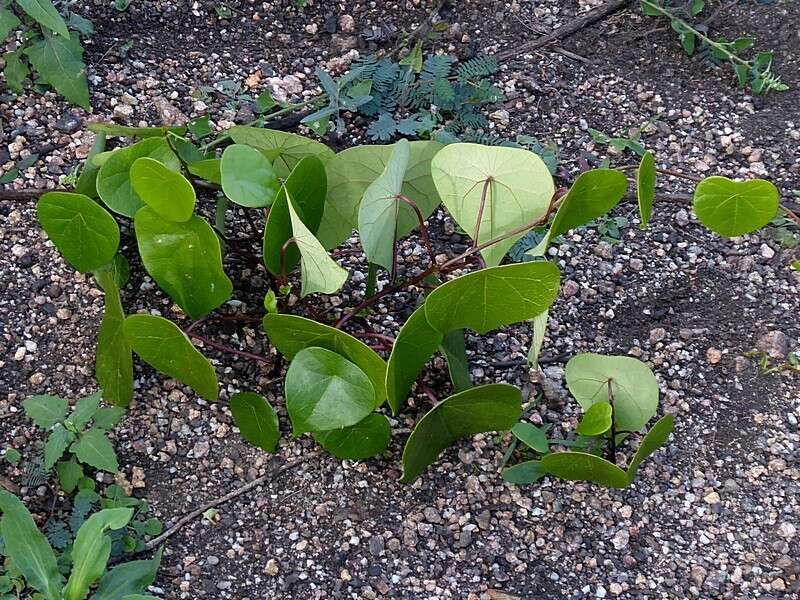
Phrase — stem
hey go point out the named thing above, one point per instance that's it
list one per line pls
(669, 172)
(612, 455)
(284, 248)
(791, 214)
(250, 222)
(423, 229)
(486, 187)
(219, 214)
(228, 349)
(372, 279)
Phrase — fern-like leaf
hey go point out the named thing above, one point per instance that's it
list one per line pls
(477, 68)
(436, 67)
(57, 534)
(383, 128)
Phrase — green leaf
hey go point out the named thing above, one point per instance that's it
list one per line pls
(525, 473)
(84, 410)
(581, 466)
(168, 193)
(592, 195)
(413, 347)
(82, 230)
(57, 442)
(45, 411)
(116, 130)
(494, 297)
(128, 578)
(733, 208)
(15, 71)
(352, 171)
(318, 271)
(455, 351)
(8, 21)
(70, 472)
(207, 169)
(634, 387)
(59, 61)
(28, 549)
(44, 13)
(113, 358)
(494, 407)
(256, 420)
(290, 334)
(655, 438)
(646, 187)
(326, 391)
(114, 181)
(539, 324)
(92, 549)
(596, 420)
(283, 149)
(185, 260)
(369, 437)
(380, 208)
(507, 187)
(414, 58)
(107, 417)
(93, 448)
(532, 436)
(87, 182)
(163, 346)
(306, 185)
(247, 177)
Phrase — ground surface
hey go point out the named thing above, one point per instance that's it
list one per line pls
(713, 515)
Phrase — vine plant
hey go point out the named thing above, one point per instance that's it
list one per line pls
(336, 386)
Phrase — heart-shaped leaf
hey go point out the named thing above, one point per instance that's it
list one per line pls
(593, 194)
(494, 407)
(82, 230)
(633, 387)
(168, 193)
(284, 150)
(597, 419)
(325, 391)
(369, 437)
(733, 208)
(256, 420)
(184, 259)
(248, 178)
(290, 334)
(163, 346)
(646, 187)
(655, 438)
(503, 188)
(581, 466)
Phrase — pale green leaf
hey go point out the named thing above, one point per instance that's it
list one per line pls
(532, 436)
(284, 150)
(59, 61)
(45, 411)
(581, 466)
(248, 178)
(733, 208)
(504, 187)
(207, 169)
(46, 14)
(185, 260)
(655, 438)
(494, 407)
(369, 437)
(127, 579)
(646, 187)
(596, 420)
(94, 449)
(256, 420)
(162, 345)
(168, 193)
(539, 325)
(83, 231)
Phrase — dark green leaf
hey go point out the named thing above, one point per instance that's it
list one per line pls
(655, 438)
(532, 436)
(369, 437)
(283, 149)
(525, 473)
(45, 411)
(69, 473)
(57, 442)
(113, 358)
(59, 60)
(592, 195)
(8, 21)
(15, 72)
(93, 448)
(200, 127)
(646, 187)
(84, 411)
(44, 13)
(247, 177)
(207, 169)
(108, 416)
(455, 351)
(256, 420)
(127, 579)
(168, 193)
(494, 407)
(581, 466)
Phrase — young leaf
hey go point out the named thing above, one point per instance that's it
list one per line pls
(168, 193)
(83, 231)
(8, 21)
(655, 438)
(539, 324)
(69, 473)
(290, 334)
(532, 436)
(114, 182)
(494, 297)
(494, 407)
(379, 208)
(504, 188)
(633, 385)
(59, 61)
(733, 208)
(593, 194)
(247, 177)
(646, 187)
(369, 437)
(92, 549)
(15, 72)
(306, 185)
(93, 448)
(128, 578)
(581, 466)
(162, 345)
(207, 169)
(325, 391)
(318, 271)
(525, 473)
(27, 547)
(57, 442)
(256, 420)
(414, 346)
(106, 418)
(113, 358)
(352, 171)
(87, 181)
(44, 13)
(185, 260)
(283, 149)
(455, 352)
(84, 411)
(596, 420)
(45, 411)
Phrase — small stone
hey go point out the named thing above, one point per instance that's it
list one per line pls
(312, 29)
(570, 288)
(604, 250)
(200, 449)
(713, 356)
(501, 117)
(766, 252)
(123, 112)
(682, 218)
(621, 539)
(347, 24)
(376, 545)
(432, 515)
(774, 344)
(69, 122)
(778, 584)
(212, 561)
(637, 264)
(787, 530)
(712, 498)
(657, 335)
(272, 568)
(698, 574)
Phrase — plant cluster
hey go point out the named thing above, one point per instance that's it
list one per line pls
(694, 38)
(49, 46)
(312, 199)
